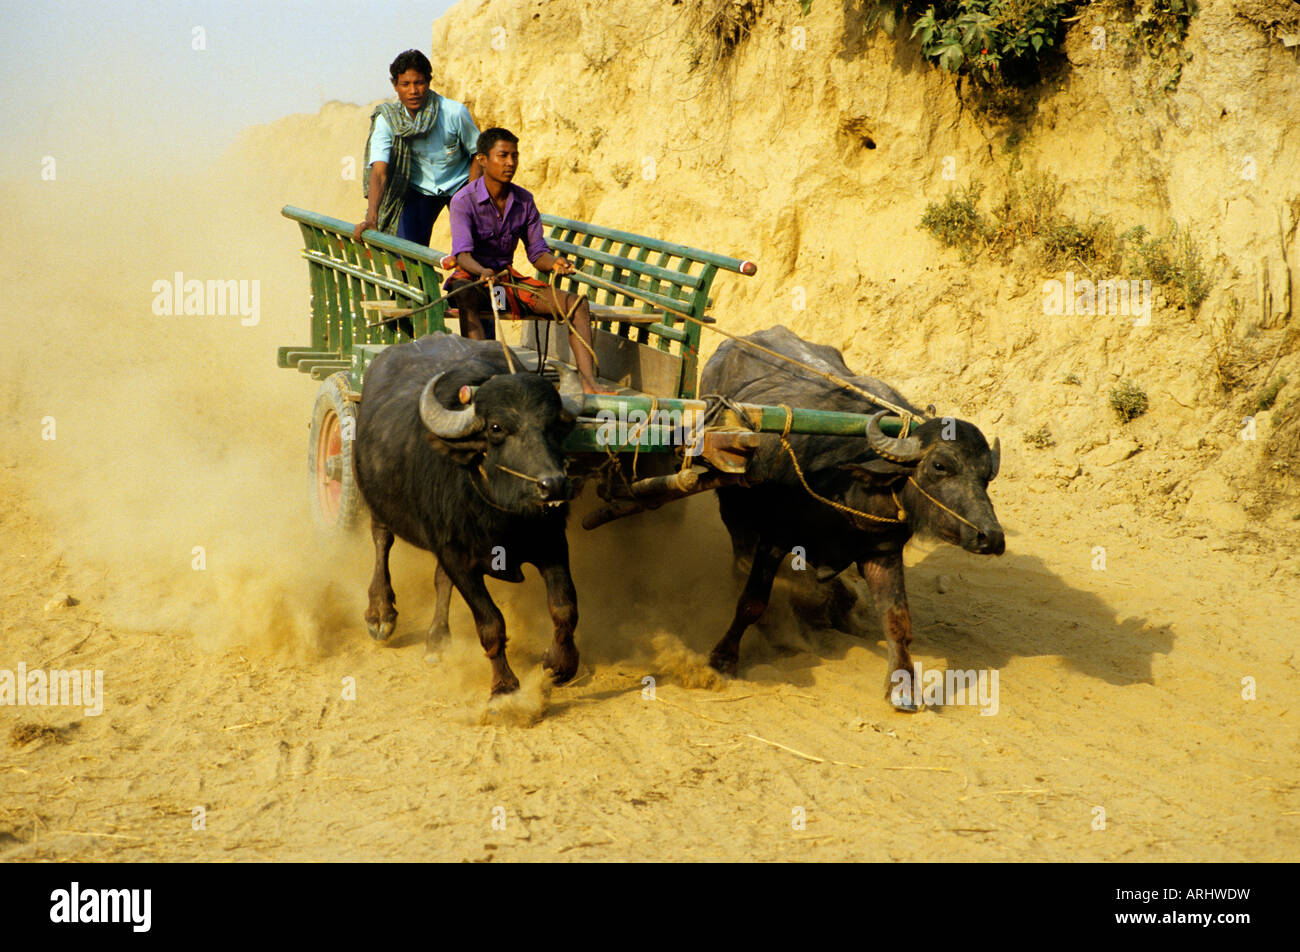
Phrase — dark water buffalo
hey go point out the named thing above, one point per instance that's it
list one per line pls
(482, 486)
(934, 481)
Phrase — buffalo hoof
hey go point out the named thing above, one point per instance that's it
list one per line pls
(900, 695)
(506, 684)
(561, 662)
(381, 630)
(435, 644)
(724, 663)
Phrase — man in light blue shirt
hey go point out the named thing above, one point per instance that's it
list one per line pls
(418, 153)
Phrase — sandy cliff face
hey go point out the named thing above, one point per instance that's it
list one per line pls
(817, 147)
(814, 149)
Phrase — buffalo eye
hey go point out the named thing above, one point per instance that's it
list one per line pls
(939, 468)
(496, 429)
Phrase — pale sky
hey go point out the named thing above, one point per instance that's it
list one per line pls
(108, 87)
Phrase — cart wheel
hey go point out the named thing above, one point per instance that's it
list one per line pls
(336, 503)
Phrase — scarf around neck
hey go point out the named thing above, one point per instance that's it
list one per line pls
(405, 127)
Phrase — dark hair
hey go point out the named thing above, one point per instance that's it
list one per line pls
(490, 137)
(411, 59)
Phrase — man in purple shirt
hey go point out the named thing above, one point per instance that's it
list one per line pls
(489, 217)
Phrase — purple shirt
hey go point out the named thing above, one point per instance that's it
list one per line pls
(491, 238)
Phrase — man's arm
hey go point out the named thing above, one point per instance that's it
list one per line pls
(550, 262)
(378, 151)
(469, 142)
(539, 252)
(378, 182)
(465, 261)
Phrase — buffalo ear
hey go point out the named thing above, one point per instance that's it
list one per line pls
(878, 472)
(462, 452)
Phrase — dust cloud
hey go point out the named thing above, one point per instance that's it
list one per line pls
(175, 480)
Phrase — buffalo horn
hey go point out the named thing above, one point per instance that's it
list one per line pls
(905, 450)
(997, 456)
(448, 424)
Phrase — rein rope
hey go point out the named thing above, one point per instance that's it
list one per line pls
(718, 402)
(561, 314)
(516, 474)
(833, 378)
(496, 313)
(481, 494)
(505, 469)
(958, 516)
(902, 513)
(565, 316)
(785, 445)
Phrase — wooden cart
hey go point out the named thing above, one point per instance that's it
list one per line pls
(653, 441)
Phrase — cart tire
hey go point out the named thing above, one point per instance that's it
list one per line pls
(336, 503)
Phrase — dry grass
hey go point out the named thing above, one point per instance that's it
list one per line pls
(23, 734)
(718, 28)
(1279, 465)
(1040, 438)
(1231, 359)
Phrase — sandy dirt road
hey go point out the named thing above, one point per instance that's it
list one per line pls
(1109, 697)
(1119, 689)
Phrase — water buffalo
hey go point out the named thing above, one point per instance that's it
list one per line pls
(934, 481)
(481, 485)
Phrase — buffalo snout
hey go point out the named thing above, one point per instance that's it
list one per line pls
(984, 537)
(555, 487)
(990, 541)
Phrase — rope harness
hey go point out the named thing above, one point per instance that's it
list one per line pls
(902, 513)
(505, 469)
(612, 461)
(785, 445)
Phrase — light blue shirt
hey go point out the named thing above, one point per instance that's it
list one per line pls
(440, 158)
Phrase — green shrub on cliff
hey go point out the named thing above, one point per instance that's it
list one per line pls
(995, 41)
(1029, 214)
(1004, 43)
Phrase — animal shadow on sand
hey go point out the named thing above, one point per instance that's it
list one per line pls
(670, 572)
(989, 611)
